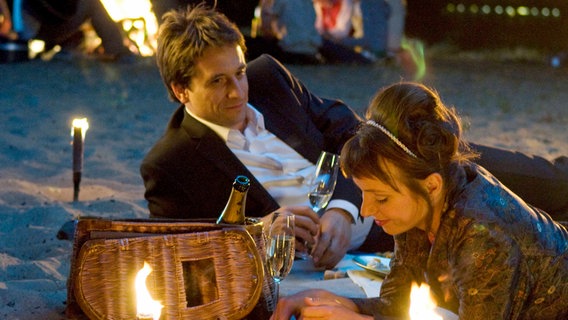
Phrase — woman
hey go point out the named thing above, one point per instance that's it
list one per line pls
(483, 251)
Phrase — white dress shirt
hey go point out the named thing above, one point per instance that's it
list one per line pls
(278, 167)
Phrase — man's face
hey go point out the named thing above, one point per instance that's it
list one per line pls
(219, 90)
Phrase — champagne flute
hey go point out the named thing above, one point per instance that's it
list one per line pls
(324, 180)
(321, 187)
(280, 249)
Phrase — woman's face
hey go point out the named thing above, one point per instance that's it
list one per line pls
(395, 211)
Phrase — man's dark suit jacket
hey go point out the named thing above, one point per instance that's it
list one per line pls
(190, 170)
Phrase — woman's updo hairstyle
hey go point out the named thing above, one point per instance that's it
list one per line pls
(428, 134)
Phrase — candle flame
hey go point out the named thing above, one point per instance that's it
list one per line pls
(422, 306)
(80, 123)
(146, 306)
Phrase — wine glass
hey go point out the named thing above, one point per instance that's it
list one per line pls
(323, 183)
(280, 248)
(321, 187)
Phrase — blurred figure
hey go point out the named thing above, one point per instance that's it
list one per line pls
(57, 23)
(354, 24)
(239, 12)
(407, 53)
(395, 23)
(334, 18)
(6, 21)
(291, 24)
(373, 27)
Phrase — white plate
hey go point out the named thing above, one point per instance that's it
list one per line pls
(364, 262)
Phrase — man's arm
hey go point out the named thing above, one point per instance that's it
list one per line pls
(304, 121)
(310, 124)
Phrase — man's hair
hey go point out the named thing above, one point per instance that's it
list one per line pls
(184, 35)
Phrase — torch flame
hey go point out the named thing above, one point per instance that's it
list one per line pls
(146, 306)
(80, 123)
(421, 304)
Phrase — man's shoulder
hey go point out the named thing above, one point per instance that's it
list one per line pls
(172, 143)
(167, 148)
(269, 80)
(264, 66)
(263, 60)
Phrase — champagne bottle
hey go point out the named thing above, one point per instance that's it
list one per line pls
(234, 212)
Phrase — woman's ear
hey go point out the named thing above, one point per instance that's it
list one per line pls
(434, 184)
(180, 92)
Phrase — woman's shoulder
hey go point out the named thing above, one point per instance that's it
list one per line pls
(487, 209)
(484, 198)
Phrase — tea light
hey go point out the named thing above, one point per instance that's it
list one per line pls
(146, 307)
(422, 306)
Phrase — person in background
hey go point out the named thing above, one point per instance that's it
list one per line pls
(406, 53)
(479, 247)
(291, 24)
(239, 12)
(6, 31)
(57, 22)
(373, 27)
(258, 120)
(334, 18)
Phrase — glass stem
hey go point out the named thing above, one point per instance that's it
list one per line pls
(276, 292)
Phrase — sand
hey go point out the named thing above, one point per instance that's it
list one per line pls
(511, 100)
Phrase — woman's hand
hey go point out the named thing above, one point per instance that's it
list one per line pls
(328, 309)
(313, 304)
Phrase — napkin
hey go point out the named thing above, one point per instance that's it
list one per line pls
(369, 282)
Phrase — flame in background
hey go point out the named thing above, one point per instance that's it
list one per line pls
(146, 307)
(138, 21)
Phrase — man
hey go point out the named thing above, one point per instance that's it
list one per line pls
(215, 136)
(273, 134)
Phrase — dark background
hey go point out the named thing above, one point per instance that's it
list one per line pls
(431, 22)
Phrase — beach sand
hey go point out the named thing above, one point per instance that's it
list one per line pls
(505, 101)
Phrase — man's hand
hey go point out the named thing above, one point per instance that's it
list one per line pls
(307, 224)
(334, 238)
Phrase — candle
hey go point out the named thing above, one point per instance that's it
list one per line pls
(78, 131)
(422, 306)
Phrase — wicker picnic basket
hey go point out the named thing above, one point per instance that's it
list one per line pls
(201, 270)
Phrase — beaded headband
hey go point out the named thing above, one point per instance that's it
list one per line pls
(392, 137)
